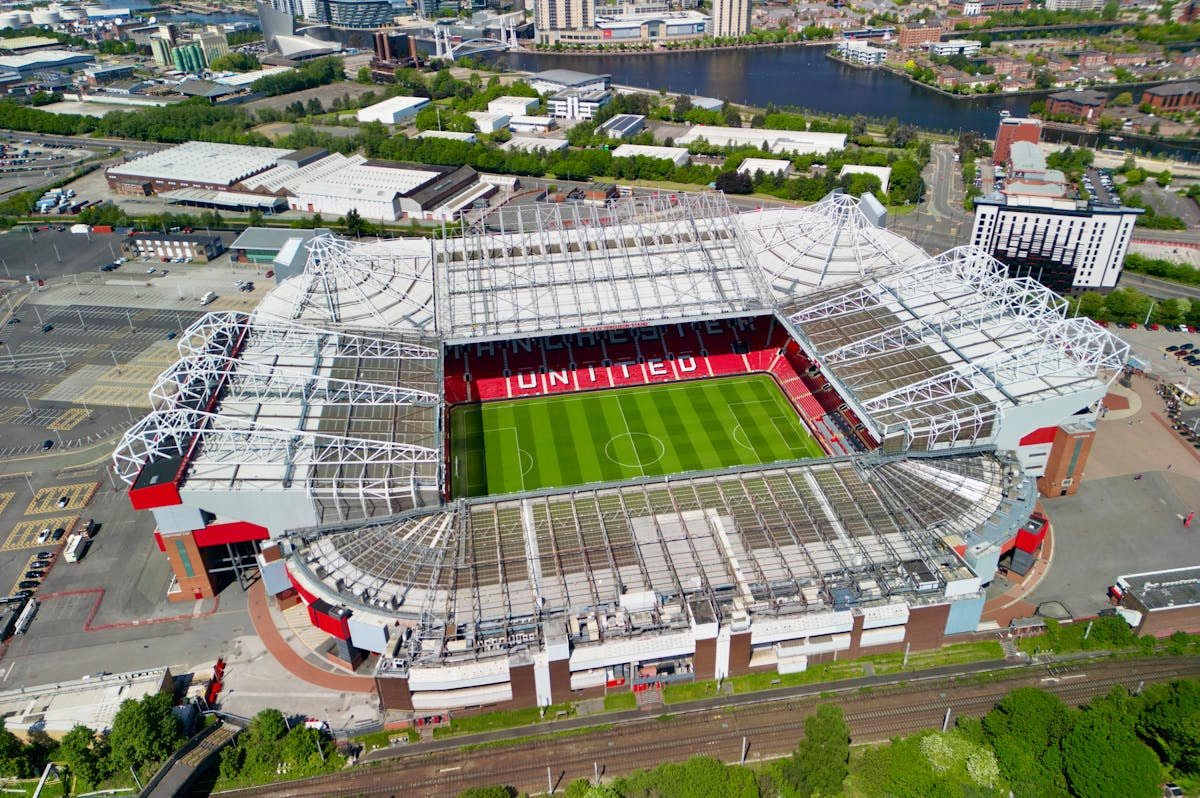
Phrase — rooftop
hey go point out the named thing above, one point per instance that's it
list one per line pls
(268, 237)
(201, 162)
(1163, 590)
(1081, 97)
(1170, 89)
(649, 151)
(623, 124)
(567, 77)
(92, 701)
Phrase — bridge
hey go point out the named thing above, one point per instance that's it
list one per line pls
(446, 48)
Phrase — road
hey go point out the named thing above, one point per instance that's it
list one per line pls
(1158, 288)
(85, 141)
(939, 222)
(771, 728)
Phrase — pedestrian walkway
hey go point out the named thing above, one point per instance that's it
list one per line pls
(1011, 603)
(268, 623)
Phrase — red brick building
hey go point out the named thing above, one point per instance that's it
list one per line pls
(1014, 129)
(1173, 96)
(1086, 105)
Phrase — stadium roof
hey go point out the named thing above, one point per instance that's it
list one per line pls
(827, 243)
(774, 541)
(201, 162)
(351, 419)
(380, 286)
(937, 351)
(567, 266)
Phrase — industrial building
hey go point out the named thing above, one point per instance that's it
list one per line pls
(199, 247)
(798, 142)
(884, 173)
(677, 155)
(1166, 601)
(310, 180)
(513, 106)
(261, 245)
(1040, 227)
(768, 166)
(392, 110)
(552, 81)
(194, 164)
(309, 440)
(623, 126)
(44, 61)
(92, 701)
(531, 124)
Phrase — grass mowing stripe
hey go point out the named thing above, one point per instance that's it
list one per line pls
(575, 439)
(677, 427)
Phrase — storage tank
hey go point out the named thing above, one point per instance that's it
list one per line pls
(45, 16)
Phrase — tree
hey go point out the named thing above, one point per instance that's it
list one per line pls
(355, 225)
(314, 107)
(255, 218)
(1110, 10)
(83, 754)
(734, 183)
(904, 134)
(858, 125)
(820, 762)
(683, 104)
(1170, 723)
(1025, 729)
(144, 731)
(1102, 760)
(1124, 98)
(732, 116)
(14, 758)
(488, 792)
(1164, 178)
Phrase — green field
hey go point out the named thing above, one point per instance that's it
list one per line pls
(573, 439)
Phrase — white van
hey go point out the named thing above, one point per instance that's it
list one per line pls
(207, 298)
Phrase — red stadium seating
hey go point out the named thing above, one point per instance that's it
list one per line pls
(637, 356)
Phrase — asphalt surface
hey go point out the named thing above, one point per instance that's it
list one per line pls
(939, 222)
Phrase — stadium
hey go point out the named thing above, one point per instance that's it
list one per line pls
(561, 450)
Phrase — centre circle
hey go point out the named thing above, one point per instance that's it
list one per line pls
(635, 449)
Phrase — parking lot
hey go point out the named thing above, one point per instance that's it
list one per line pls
(43, 163)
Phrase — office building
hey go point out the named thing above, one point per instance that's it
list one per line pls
(860, 52)
(1040, 228)
(355, 13)
(965, 47)
(730, 18)
(552, 81)
(1086, 105)
(1173, 96)
(576, 104)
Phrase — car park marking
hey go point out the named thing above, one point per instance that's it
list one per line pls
(24, 533)
(46, 499)
(70, 418)
(5, 498)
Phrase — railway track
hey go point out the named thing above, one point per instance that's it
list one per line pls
(771, 729)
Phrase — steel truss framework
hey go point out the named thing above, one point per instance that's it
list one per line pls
(368, 286)
(758, 540)
(974, 340)
(565, 267)
(827, 242)
(292, 439)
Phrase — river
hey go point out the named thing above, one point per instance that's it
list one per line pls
(803, 77)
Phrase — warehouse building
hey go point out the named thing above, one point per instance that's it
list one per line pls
(392, 110)
(381, 190)
(676, 155)
(800, 142)
(1167, 601)
(195, 164)
(513, 106)
(552, 81)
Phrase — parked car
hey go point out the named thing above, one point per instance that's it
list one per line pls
(58, 534)
(45, 555)
(47, 445)
(44, 535)
(28, 584)
(34, 575)
(63, 501)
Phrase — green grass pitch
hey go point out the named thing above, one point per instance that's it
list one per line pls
(573, 439)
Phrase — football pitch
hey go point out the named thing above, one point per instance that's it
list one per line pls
(573, 439)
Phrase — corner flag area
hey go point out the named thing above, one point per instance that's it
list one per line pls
(574, 439)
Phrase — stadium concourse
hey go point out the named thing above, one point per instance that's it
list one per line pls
(703, 443)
